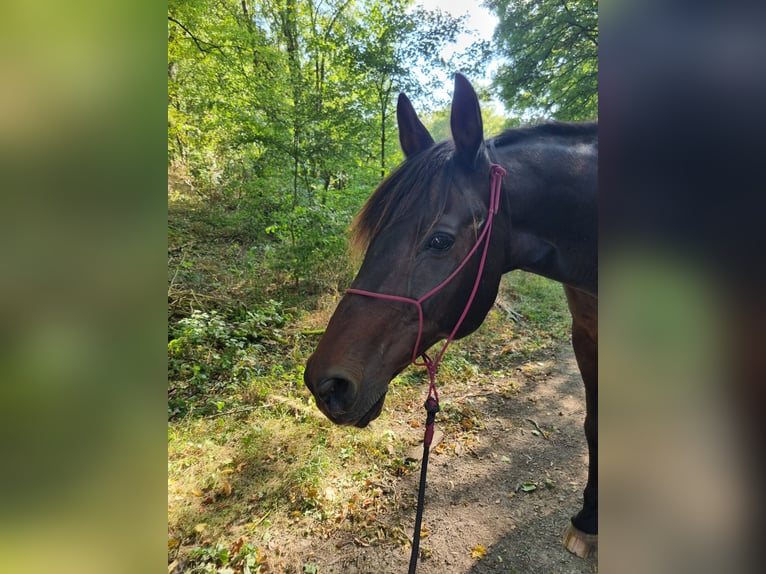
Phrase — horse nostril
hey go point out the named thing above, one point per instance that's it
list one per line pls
(336, 393)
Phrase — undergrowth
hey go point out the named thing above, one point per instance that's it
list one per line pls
(212, 358)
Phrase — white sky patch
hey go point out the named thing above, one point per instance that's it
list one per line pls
(480, 25)
(480, 18)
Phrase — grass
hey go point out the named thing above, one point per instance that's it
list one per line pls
(279, 467)
(257, 477)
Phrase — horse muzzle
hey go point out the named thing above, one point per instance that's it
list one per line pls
(341, 399)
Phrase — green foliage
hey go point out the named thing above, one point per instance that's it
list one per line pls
(209, 555)
(212, 357)
(543, 319)
(211, 559)
(438, 122)
(310, 236)
(541, 302)
(551, 52)
(281, 111)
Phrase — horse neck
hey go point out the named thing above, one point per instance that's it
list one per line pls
(550, 200)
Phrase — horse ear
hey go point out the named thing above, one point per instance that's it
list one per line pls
(465, 121)
(413, 135)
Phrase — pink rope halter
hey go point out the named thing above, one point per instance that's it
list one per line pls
(496, 173)
(432, 365)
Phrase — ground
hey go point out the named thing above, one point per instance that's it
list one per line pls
(477, 498)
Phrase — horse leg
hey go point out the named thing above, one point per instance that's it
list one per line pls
(581, 537)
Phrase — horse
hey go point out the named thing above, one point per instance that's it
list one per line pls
(419, 227)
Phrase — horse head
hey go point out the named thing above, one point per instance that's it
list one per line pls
(418, 227)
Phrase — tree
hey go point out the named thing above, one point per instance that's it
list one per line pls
(280, 112)
(551, 48)
(389, 45)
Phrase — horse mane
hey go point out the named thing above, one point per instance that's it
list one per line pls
(407, 189)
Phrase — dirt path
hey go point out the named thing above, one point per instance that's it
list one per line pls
(474, 496)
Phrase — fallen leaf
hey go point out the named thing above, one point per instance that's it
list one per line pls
(237, 545)
(478, 552)
(225, 489)
(200, 528)
(529, 486)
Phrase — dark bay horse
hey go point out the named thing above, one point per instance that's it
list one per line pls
(422, 222)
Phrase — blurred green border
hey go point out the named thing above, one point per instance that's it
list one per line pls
(83, 286)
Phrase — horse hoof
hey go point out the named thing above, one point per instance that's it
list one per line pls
(579, 543)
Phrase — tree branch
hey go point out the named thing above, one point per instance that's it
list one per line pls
(196, 40)
(587, 31)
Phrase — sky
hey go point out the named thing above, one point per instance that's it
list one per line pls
(480, 20)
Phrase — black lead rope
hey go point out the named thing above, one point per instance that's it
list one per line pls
(432, 407)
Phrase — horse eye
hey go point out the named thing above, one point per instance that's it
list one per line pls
(440, 241)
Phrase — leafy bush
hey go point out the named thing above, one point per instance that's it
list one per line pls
(211, 357)
(306, 239)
